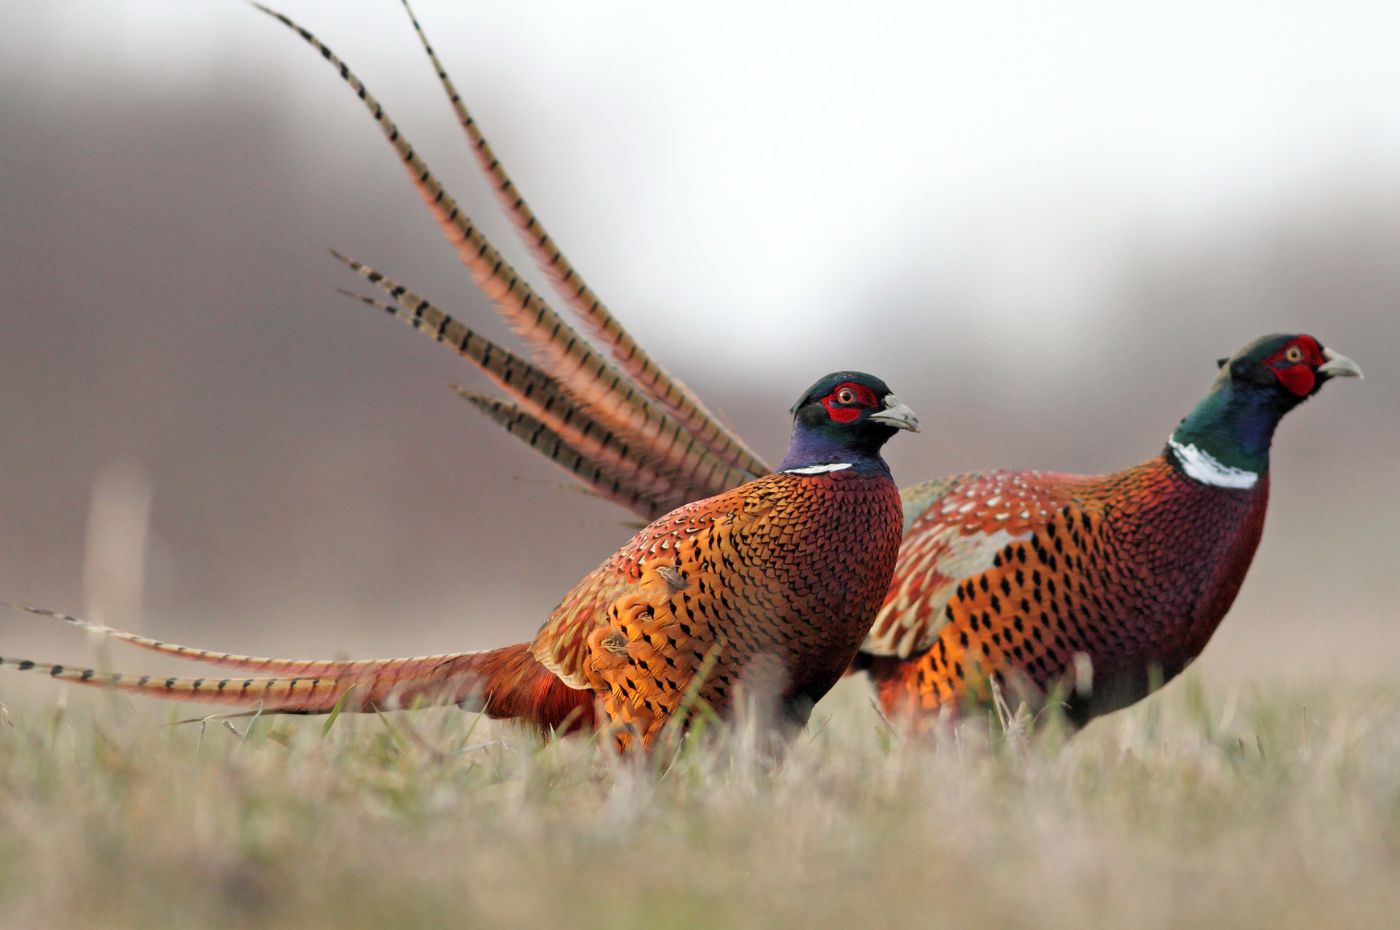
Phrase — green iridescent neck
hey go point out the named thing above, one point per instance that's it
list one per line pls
(1233, 425)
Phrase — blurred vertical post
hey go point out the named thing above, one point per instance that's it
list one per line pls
(114, 563)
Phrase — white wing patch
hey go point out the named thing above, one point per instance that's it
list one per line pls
(931, 566)
(956, 535)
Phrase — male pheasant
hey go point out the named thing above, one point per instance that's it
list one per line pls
(1094, 587)
(771, 586)
(1091, 587)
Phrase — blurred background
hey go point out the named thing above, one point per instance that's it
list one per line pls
(1041, 226)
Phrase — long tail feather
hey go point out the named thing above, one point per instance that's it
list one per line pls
(323, 668)
(318, 694)
(586, 375)
(602, 480)
(503, 683)
(634, 361)
(534, 389)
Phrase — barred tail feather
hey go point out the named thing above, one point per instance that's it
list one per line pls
(581, 371)
(536, 391)
(504, 683)
(599, 478)
(627, 354)
(295, 694)
(322, 668)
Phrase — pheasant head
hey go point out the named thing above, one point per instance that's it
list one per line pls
(1225, 440)
(842, 421)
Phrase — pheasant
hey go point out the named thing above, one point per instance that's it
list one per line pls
(1090, 589)
(1087, 591)
(770, 588)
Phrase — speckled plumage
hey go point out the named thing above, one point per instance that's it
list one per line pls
(1144, 562)
(768, 589)
(1092, 588)
(772, 585)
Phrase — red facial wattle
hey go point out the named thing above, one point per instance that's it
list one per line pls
(1298, 374)
(862, 398)
(1297, 378)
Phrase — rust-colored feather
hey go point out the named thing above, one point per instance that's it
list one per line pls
(767, 591)
(718, 596)
(387, 685)
(626, 353)
(1105, 586)
(1132, 571)
(301, 668)
(731, 585)
(505, 683)
(590, 378)
(625, 454)
(608, 483)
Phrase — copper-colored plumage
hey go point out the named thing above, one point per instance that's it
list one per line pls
(770, 587)
(766, 586)
(596, 384)
(1131, 571)
(1091, 587)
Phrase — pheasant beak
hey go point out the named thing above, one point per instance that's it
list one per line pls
(1338, 366)
(896, 414)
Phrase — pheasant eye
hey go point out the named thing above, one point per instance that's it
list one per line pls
(845, 396)
(1293, 355)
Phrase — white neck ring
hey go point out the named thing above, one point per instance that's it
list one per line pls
(817, 469)
(1207, 469)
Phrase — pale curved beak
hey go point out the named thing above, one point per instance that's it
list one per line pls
(896, 414)
(1339, 366)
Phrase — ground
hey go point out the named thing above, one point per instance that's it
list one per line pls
(1202, 807)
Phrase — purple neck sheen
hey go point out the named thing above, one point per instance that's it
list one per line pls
(817, 445)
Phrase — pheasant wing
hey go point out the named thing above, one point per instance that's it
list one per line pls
(954, 530)
(562, 644)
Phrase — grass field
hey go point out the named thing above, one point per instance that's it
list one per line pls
(1248, 808)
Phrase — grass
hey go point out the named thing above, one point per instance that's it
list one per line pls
(1263, 807)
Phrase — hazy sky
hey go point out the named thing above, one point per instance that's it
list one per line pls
(771, 157)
